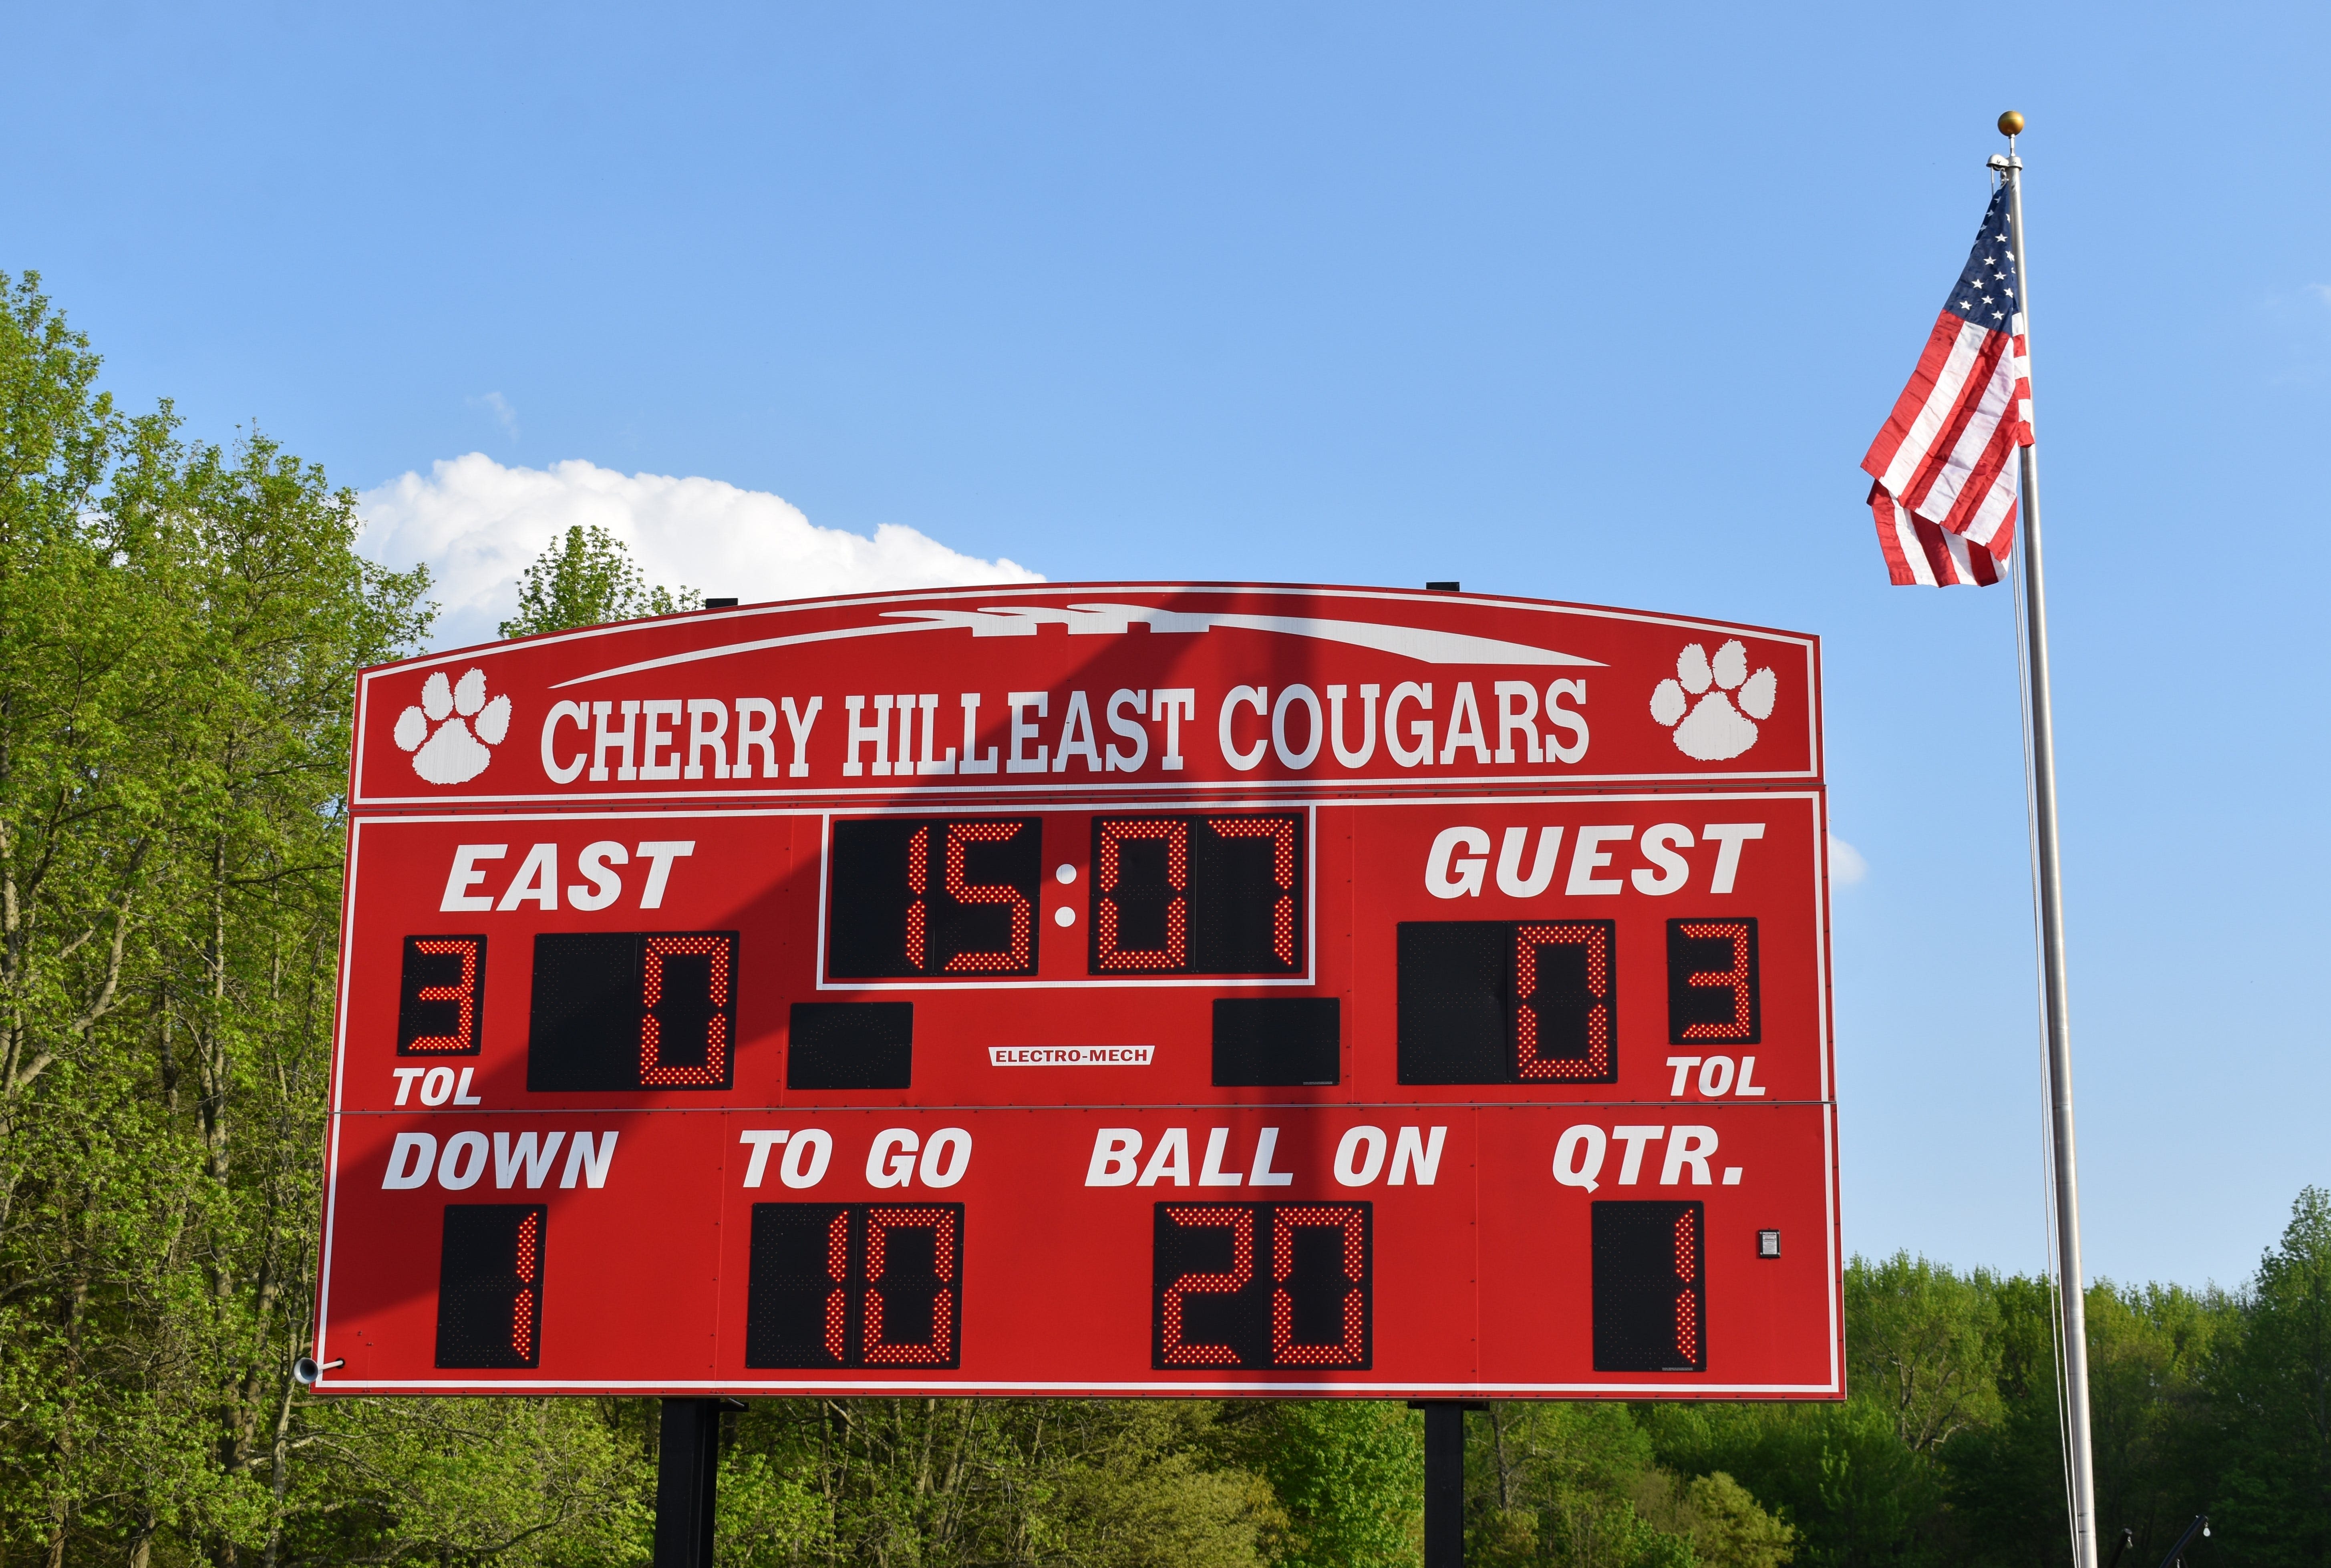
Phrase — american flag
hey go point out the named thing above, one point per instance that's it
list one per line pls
(1944, 491)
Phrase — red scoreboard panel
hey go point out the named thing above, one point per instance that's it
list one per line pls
(1126, 989)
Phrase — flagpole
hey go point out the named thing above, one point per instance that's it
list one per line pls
(2071, 1304)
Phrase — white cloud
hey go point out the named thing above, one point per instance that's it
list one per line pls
(495, 403)
(1846, 866)
(477, 525)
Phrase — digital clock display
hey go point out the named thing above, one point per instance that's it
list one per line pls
(1218, 894)
(911, 898)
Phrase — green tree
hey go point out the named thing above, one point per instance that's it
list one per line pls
(1726, 1527)
(2272, 1388)
(1350, 1475)
(2149, 1348)
(1114, 1483)
(1729, 1529)
(1575, 1484)
(2005, 1479)
(508, 1481)
(588, 579)
(179, 625)
(1919, 1341)
(1839, 1475)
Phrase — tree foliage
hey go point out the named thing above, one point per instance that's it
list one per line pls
(2272, 1386)
(586, 579)
(179, 627)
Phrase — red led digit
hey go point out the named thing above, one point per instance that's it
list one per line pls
(1176, 954)
(653, 1072)
(1740, 979)
(837, 1269)
(1686, 1301)
(1280, 831)
(1351, 1220)
(529, 1236)
(855, 1285)
(1022, 915)
(462, 994)
(490, 1285)
(939, 1349)
(1534, 1016)
(1239, 1222)
(918, 867)
(1688, 1327)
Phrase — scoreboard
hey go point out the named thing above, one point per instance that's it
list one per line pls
(1126, 989)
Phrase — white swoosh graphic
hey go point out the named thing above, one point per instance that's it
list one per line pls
(1418, 643)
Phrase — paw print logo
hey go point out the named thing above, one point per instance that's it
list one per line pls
(1715, 728)
(446, 749)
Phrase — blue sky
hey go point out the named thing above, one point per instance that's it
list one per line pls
(1597, 305)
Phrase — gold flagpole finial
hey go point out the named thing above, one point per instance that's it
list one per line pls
(2010, 123)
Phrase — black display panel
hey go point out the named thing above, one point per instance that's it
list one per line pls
(851, 1045)
(1508, 1002)
(1277, 1041)
(440, 996)
(490, 1285)
(1255, 1286)
(912, 896)
(633, 1009)
(1712, 987)
(1650, 1292)
(1220, 893)
(836, 1285)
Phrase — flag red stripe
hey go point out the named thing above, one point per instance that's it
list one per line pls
(1920, 554)
(1916, 397)
(1929, 488)
(1906, 559)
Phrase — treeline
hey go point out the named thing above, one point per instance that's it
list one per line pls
(179, 626)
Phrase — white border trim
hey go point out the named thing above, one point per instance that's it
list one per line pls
(936, 1389)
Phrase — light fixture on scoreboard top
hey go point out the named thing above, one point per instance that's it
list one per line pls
(1117, 687)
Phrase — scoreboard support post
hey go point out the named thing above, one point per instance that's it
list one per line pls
(1444, 1478)
(687, 1476)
